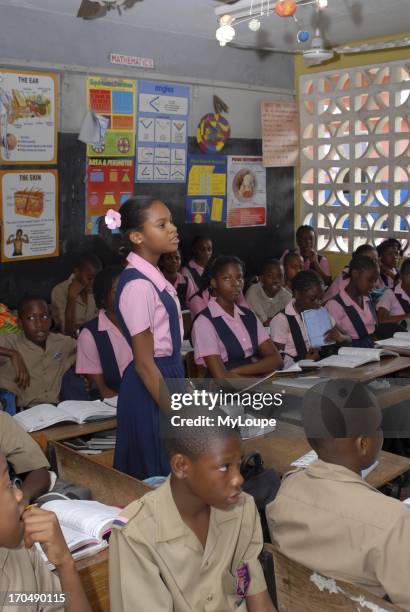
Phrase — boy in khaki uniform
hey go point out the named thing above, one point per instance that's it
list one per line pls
(72, 301)
(327, 517)
(32, 364)
(192, 545)
(26, 458)
(21, 568)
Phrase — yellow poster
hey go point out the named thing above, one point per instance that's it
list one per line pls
(113, 101)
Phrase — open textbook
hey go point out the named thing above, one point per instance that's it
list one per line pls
(45, 415)
(399, 340)
(83, 523)
(349, 357)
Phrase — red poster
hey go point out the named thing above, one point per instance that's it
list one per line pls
(109, 183)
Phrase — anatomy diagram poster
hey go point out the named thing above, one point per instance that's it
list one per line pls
(28, 122)
(28, 206)
(162, 132)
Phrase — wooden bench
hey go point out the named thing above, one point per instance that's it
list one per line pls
(299, 589)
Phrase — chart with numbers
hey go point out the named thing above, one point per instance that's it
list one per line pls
(162, 132)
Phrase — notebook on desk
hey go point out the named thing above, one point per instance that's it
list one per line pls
(349, 357)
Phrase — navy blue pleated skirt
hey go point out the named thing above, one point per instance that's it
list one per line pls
(138, 449)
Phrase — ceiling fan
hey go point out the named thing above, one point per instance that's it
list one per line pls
(93, 9)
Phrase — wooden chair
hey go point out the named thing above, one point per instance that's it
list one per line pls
(297, 592)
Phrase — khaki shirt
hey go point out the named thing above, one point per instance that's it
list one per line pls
(330, 520)
(23, 571)
(20, 449)
(157, 564)
(266, 307)
(46, 367)
(84, 312)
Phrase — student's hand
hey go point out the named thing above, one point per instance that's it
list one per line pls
(313, 354)
(335, 335)
(43, 527)
(22, 376)
(313, 258)
(75, 289)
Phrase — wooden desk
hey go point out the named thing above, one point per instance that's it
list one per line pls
(369, 371)
(108, 486)
(71, 430)
(278, 452)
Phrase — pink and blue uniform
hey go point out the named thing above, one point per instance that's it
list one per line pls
(235, 338)
(198, 294)
(359, 323)
(146, 300)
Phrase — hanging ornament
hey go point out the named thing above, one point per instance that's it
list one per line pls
(214, 130)
(285, 8)
(302, 36)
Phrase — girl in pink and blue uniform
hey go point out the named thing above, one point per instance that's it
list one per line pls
(170, 264)
(389, 253)
(306, 240)
(150, 315)
(393, 308)
(197, 274)
(352, 308)
(229, 338)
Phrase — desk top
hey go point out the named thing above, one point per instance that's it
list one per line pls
(65, 431)
(279, 451)
(367, 372)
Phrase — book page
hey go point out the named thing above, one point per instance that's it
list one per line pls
(85, 411)
(40, 416)
(89, 517)
(345, 361)
(358, 351)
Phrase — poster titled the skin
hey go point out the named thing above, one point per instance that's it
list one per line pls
(28, 207)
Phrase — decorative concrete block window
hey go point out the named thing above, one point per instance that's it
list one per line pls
(355, 155)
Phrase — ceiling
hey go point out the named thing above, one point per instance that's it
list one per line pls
(343, 21)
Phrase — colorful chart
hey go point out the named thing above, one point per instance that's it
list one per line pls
(206, 198)
(114, 99)
(162, 132)
(109, 183)
(213, 132)
(246, 188)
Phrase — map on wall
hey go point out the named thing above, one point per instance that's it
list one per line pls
(113, 100)
(162, 132)
(28, 122)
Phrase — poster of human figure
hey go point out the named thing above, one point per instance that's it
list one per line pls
(246, 191)
(28, 120)
(28, 207)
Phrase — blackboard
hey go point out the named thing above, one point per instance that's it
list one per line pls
(252, 245)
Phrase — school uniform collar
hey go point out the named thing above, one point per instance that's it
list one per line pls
(331, 471)
(290, 309)
(34, 347)
(169, 524)
(193, 264)
(398, 290)
(217, 311)
(153, 273)
(348, 300)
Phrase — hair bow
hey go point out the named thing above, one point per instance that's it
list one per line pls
(112, 219)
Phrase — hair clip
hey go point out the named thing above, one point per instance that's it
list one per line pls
(112, 219)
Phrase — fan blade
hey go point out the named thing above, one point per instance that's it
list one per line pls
(390, 44)
(91, 10)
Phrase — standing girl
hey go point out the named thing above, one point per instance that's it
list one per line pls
(149, 313)
(229, 339)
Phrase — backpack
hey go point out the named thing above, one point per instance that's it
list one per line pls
(263, 484)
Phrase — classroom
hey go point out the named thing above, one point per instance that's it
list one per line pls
(204, 305)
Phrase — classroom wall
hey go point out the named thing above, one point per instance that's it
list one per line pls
(338, 261)
(241, 78)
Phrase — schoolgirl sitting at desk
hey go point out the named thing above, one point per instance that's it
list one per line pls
(196, 272)
(342, 279)
(170, 264)
(394, 305)
(288, 331)
(352, 308)
(229, 339)
(103, 353)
